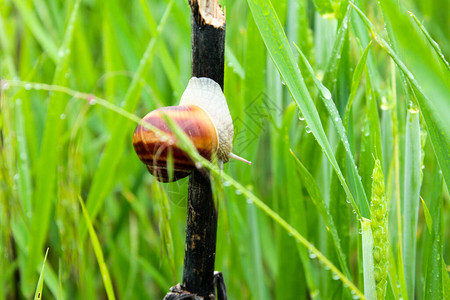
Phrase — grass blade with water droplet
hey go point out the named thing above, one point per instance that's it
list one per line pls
(367, 248)
(99, 254)
(40, 285)
(278, 47)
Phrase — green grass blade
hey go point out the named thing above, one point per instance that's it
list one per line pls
(324, 7)
(33, 24)
(104, 177)
(434, 247)
(428, 218)
(334, 60)
(316, 197)
(338, 124)
(169, 65)
(431, 41)
(435, 119)
(40, 285)
(278, 47)
(233, 62)
(356, 79)
(99, 254)
(47, 165)
(411, 198)
(24, 184)
(261, 291)
(164, 225)
(445, 280)
(314, 252)
(369, 269)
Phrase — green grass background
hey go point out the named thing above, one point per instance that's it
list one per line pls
(318, 90)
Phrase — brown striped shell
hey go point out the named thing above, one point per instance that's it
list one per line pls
(203, 115)
(153, 150)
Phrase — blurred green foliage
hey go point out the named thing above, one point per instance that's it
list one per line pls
(318, 90)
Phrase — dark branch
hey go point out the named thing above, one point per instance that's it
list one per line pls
(208, 55)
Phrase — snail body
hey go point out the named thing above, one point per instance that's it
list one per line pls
(204, 117)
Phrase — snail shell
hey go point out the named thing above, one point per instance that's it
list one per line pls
(203, 115)
(154, 150)
(207, 94)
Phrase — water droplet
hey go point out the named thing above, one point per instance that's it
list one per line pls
(325, 93)
(413, 110)
(337, 119)
(37, 86)
(312, 255)
(62, 116)
(283, 83)
(92, 101)
(61, 53)
(249, 201)
(5, 85)
(384, 104)
(300, 116)
(238, 192)
(226, 183)
(198, 165)
(28, 86)
(335, 276)
(308, 130)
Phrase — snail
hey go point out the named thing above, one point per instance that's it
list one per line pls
(203, 115)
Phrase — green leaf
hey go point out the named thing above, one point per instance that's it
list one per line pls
(40, 285)
(428, 218)
(433, 246)
(316, 197)
(411, 198)
(104, 177)
(369, 270)
(33, 24)
(433, 106)
(46, 170)
(325, 95)
(99, 254)
(324, 7)
(431, 41)
(280, 51)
